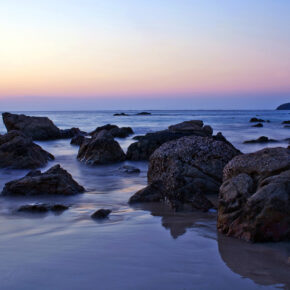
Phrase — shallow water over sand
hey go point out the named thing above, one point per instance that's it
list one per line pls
(141, 247)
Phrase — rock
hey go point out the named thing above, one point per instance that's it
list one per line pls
(18, 151)
(114, 130)
(143, 114)
(254, 199)
(187, 169)
(150, 193)
(287, 126)
(147, 144)
(55, 181)
(38, 128)
(101, 149)
(42, 208)
(286, 122)
(262, 139)
(70, 133)
(121, 114)
(77, 140)
(285, 106)
(101, 214)
(259, 125)
(129, 169)
(254, 120)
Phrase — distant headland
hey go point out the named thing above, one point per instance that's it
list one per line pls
(285, 106)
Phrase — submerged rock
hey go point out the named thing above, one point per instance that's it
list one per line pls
(101, 149)
(55, 181)
(18, 151)
(121, 114)
(259, 125)
(254, 199)
(38, 128)
(147, 144)
(101, 214)
(143, 114)
(42, 208)
(262, 139)
(186, 169)
(114, 130)
(77, 140)
(129, 169)
(254, 120)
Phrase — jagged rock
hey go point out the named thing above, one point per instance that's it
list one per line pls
(101, 214)
(254, 199)
(18, 151)
(262, 139)
(285, 106)
(38, 128)
(114, 130)
(259, 125)
(55, 181)
(77, 140)
(129, 169)
(147, 144)
(186, 169)
(101, 149)
(42, 208)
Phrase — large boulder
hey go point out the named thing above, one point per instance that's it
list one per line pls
(55, 181)
(18, 151)
(114, 130)
(187, 169)
(38, 128)
(146, 145)
(101, 149)
(254, 199)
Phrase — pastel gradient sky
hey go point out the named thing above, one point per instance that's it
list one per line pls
(186, 54)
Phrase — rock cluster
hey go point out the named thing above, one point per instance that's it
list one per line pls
(254, 199)
(38, 128)
(18, 151)
(146, 145)
(55, 181)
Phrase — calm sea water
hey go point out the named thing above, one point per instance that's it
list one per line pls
(140, 247)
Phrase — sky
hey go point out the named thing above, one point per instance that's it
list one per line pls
(144, 54)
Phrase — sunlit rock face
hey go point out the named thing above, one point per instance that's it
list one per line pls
(254, 199)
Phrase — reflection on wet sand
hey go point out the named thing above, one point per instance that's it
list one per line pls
(265, 264)
(178, 222)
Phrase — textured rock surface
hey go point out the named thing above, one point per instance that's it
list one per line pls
(55, 181)
(114, 130)
(38, 128)
(147, 144)
(152, 192)
(254, 199)
(187, 169)
(102, 149)
(19, 152)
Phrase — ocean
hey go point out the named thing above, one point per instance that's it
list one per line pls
(138, 247)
